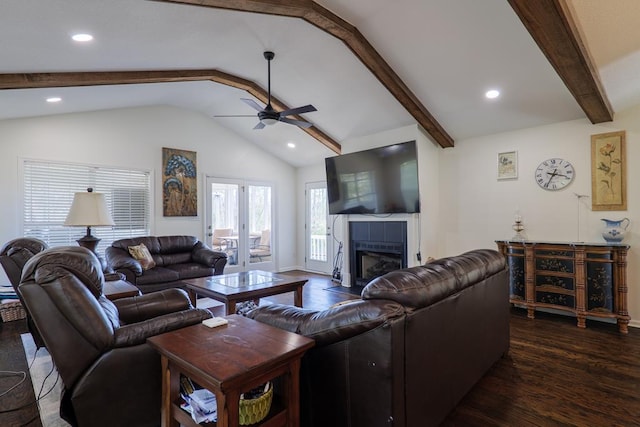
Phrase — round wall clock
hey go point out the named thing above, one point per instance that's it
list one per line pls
(554, 174)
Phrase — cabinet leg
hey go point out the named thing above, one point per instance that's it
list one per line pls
(623, 326)
(531, 313)
(582, 321)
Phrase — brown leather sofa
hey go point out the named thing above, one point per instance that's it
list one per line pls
(408, 351)
(111, 376)
(176, 258)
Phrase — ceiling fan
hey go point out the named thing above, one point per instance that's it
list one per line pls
(267, 115)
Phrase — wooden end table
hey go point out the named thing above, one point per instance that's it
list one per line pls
(244, 286)
(116, 289)
(229, 360)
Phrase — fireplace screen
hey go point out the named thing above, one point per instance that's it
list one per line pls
(374, 264)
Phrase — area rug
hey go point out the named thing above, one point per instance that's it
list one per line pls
(351, 290)
(46, 383)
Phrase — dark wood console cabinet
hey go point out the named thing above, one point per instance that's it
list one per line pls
(586, 279)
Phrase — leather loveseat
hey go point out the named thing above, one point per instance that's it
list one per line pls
(406, 352)
(176, 258)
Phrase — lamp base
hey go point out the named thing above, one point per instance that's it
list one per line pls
(89, 242)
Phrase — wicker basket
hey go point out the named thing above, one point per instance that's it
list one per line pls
(11, 310)
(254, 410)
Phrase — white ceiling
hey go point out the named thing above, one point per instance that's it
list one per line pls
(448, 52)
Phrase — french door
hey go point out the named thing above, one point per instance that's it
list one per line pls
(318, 241)
(239, 222)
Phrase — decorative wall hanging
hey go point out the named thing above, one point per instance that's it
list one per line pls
(608, 172)
(179, 183)
(508, 165)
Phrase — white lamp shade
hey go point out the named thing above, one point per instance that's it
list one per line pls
(89, 209)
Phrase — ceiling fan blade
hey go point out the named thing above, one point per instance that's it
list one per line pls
(251, 103)
(300, 110)
(260, 125)
(236, 115)
(299, 123)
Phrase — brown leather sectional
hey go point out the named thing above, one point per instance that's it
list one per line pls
(408, 351)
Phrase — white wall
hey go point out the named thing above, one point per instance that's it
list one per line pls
(477, 209)
(134, 138)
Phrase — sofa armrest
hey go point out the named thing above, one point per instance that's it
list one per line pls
(330, 325)
(137, 333)
(206, 256)
(113, 276)
(119, 259)
(143, 307)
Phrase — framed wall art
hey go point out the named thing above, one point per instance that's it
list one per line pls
(508, 165)
(608, 172)
(179, 183)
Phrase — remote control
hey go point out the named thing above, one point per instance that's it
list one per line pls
(215, 321)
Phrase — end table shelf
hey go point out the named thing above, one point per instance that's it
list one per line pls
(277, 416)
(229, 360)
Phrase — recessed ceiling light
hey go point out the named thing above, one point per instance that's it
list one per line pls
(291, 145)
(491, 94)
(54, 99)
(82, 37)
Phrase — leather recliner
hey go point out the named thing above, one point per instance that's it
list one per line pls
(13, 257)
(111, 376)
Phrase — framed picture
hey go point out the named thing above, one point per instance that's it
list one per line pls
(508, 165)
(179, 183)
(608, 172)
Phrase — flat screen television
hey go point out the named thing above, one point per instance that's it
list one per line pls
(378, 181)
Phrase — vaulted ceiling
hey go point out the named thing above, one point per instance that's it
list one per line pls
(367, 66)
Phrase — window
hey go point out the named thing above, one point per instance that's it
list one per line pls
(48, 192)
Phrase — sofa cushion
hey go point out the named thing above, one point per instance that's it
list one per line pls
(189, 270)
(418, 287)
(142, 254)
(413, 287)
(330, 325)
(157, 275)
(177, 258)
(175, 244)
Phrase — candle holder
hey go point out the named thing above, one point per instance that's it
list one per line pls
(518, 227)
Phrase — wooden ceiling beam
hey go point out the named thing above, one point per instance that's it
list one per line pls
(329, 22)
(44, 80)
(552, 27)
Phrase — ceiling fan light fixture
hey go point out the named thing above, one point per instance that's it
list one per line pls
(269, 121)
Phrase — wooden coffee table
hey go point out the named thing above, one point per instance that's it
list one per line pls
(229, 360)
(244, 286)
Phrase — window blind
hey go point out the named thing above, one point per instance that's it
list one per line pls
(48, 192)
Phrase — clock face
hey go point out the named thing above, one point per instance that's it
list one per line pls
(554, 174)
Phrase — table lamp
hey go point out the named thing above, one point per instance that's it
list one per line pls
(89, 210)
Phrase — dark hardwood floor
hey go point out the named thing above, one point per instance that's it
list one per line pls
(555, 373)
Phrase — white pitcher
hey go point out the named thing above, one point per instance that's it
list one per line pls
(614, 231)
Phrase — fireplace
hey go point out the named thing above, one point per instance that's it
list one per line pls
(376, 248)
